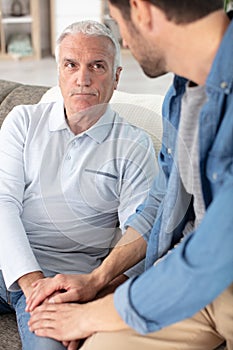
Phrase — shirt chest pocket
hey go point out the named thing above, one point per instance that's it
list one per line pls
(100, 189)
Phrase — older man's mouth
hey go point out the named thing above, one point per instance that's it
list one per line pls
(76, 93)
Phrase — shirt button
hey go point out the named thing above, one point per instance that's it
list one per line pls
(169, 151)
(68, 157)
(214, 176)
(224, 85)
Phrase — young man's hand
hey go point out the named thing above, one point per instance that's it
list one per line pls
(69, 322)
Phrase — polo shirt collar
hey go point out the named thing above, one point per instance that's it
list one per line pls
(97, 132)
(57, 120)
(101, 129)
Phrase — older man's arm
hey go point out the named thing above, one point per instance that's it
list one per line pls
(25, 282)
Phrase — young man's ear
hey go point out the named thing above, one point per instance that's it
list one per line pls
(141, 13)
(117, 77)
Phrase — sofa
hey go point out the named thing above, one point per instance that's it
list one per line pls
(141, 110)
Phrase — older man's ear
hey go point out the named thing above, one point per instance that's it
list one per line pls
(117, 77)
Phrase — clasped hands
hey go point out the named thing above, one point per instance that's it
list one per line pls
(52, 315)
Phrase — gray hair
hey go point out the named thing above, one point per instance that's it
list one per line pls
(90, 28)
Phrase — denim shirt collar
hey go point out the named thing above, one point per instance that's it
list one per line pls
(221, 75)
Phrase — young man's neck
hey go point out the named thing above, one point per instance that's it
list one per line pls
(194, 46)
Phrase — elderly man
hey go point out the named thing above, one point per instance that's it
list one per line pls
(71, 173)
(183, 300)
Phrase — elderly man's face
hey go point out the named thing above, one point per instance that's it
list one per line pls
(86, 76)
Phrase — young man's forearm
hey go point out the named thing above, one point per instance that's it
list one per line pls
(129, 251)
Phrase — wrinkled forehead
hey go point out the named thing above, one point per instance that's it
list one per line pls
(88, 43)
(87, 48)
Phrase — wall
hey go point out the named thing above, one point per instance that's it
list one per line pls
(65, 12)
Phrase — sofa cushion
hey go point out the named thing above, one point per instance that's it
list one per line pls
(13, 94)
(6, 87)
(142, 110)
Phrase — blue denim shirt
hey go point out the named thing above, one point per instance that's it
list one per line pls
(199, 268)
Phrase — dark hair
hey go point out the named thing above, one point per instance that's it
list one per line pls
(178, 11)
(123, 6)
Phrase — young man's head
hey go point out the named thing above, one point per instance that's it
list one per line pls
(166, 35)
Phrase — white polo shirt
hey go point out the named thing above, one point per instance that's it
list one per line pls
(63, 195)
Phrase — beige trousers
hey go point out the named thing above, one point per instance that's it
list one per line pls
(204, 331)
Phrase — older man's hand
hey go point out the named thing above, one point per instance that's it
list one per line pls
(62, 289)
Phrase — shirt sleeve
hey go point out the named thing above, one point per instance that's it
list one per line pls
(144, 217)
(140, 170)
(188, 277)
(16, 256)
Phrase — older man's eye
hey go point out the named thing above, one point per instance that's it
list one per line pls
(98, 67)
(70, 65)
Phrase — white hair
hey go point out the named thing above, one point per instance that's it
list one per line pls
(90, 28)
